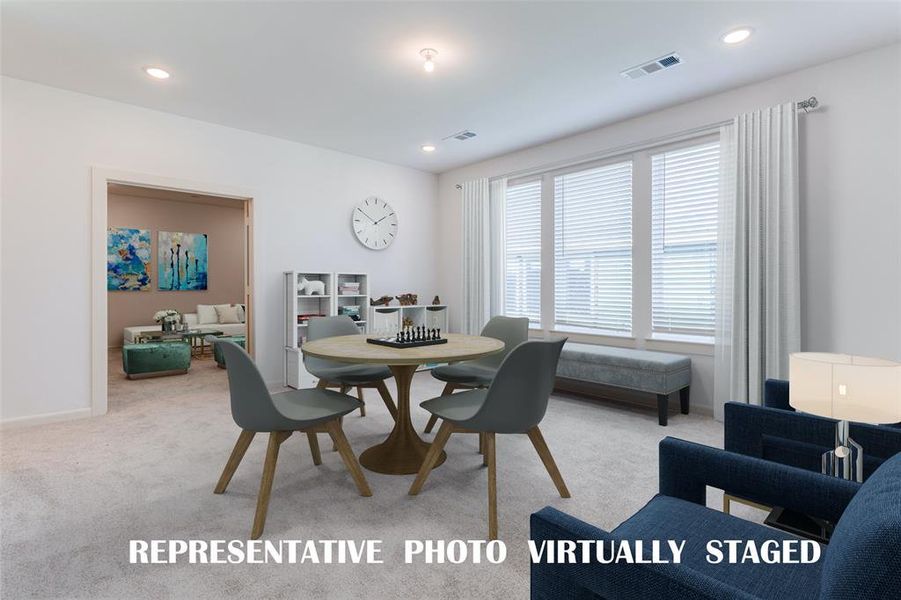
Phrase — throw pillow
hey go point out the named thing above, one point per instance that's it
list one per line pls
(206, 314)
(242, 313)
(227, 313)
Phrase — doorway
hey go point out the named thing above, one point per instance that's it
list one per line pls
(207, 229)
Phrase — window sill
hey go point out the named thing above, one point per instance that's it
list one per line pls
(589, 331)
(681, 344)
(595, 337)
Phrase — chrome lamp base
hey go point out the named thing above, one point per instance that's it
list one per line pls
(846, 461)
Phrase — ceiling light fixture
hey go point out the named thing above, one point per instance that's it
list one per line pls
(157, 73)
(428, 54)
(737, 36)
(428, 148)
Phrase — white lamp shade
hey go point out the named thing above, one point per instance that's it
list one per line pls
(841, 386)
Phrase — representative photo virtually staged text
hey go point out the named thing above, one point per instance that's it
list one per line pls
(450, 300)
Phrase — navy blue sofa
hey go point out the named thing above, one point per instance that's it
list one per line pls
(862, 560)
(776, 432)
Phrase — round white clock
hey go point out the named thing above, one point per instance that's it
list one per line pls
(374, 223)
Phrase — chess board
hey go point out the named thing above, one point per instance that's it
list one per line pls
(392, 342)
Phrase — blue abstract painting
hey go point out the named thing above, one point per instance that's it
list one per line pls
(127, 259)
(182, 261)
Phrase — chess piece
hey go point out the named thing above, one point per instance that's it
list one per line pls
(436, 301)
(439, 333)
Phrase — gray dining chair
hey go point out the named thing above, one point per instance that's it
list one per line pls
(342, 375)
(515, 402)
(478, 373)
(255, 410)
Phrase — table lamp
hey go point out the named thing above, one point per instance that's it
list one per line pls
(847, 388)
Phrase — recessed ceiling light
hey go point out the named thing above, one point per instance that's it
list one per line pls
(737, 36)
(429, 55)
(428, 148)
(157, 73)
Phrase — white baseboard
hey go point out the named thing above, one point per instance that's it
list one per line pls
(45, 418)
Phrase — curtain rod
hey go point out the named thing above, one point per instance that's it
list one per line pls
(805, 105)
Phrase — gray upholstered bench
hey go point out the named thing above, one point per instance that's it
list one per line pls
(657, 373)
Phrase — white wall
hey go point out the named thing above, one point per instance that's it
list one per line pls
(850, 196)
(303, 198)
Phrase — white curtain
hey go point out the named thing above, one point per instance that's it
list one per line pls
(758, 299)
(476, 256)
(497, 201)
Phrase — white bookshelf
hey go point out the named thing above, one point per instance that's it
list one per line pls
(347, 298)
(298, 304)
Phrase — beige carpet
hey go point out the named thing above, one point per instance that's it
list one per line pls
(74, 493)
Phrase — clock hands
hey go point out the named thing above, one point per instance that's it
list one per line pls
(383, 218)
(367, 216)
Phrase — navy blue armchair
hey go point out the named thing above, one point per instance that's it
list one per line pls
(863, 559)
(776, 432)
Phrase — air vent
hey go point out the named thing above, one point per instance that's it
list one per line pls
(658, 64)
(461, 135)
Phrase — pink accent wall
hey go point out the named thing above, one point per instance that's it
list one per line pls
(225, 227)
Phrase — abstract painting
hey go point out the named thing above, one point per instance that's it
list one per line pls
(127, 259)
(182, 261)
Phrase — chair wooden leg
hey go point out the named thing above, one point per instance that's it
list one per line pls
(314, 448)
(548, 460)
(431, 424)
(334, 443)
(259, 520)
(448, 389)
(322, 384)
(234, 460)
(431, 457)
(492, 485)
(360, 398)
(386, 398)
(347, 454)
(344, 388)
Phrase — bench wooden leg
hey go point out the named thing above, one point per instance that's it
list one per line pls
(662, 405)
(683, 399)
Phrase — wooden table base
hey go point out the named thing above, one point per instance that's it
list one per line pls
(403, 452)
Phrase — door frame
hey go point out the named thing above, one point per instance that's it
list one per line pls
(101, 177)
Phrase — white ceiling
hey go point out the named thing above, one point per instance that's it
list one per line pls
(348, 76)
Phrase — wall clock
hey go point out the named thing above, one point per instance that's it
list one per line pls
(374, 223)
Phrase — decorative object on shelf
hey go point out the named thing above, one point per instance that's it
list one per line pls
(311, 287)
(407, 322)
(436, 300)
(349, 288)
(168, 319)
(351, 310)
(847, 388)
(182, 260)
(374, 223)
(383, 301)
(407, 299)
(127, 259)
(303, 318)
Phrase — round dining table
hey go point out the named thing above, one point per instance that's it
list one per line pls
(403, 451)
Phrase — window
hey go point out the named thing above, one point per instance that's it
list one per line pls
(593, 249)
(684, 198)
(522, 251)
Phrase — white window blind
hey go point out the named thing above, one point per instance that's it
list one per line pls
(522, 251)
(593, 249)
(684, 198)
